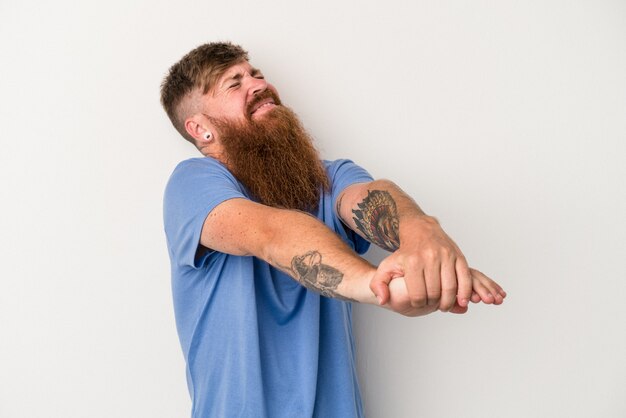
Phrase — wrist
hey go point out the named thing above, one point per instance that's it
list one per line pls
(357, 285)
(421, 224)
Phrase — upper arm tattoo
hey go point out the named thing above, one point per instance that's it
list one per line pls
(309, 270)
(377, 219)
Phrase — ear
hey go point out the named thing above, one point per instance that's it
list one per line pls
(197, 126)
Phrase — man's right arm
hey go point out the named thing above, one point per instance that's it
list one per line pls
(293, 241)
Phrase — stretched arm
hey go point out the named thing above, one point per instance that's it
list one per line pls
(434, 268)
(292, 241)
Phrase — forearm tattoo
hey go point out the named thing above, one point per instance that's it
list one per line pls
(309, 270)
(377, 219)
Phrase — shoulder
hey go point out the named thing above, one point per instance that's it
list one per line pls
(198, 164)
(203, 171)
(335, 165)
(343, 172)
(198, 180)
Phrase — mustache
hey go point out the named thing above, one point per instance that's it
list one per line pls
(265, 94)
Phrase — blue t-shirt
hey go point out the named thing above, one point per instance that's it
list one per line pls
(257, 344)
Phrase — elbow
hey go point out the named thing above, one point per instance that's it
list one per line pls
(268, 239)
(384, 183)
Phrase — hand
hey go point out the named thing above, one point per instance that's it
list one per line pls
(400, 302)
(483, 290)
(435, 271)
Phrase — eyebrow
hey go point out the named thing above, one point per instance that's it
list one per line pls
(238, 76)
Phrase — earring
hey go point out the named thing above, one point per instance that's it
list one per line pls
(207, 136)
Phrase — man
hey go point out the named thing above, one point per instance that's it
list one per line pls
(264, 240)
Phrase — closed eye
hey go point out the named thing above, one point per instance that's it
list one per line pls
(256, 73)
(234, 85)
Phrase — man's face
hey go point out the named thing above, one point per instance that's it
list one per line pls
(262, 142)
(233, 96)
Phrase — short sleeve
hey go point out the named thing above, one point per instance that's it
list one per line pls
(344, 173)
(194, 189)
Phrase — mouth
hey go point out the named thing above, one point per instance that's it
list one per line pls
(262, 106)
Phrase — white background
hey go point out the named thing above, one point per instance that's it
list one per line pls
(506, 120)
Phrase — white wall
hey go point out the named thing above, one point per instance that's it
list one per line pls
(506, 120)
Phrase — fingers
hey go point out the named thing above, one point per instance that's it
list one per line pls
(432, 279)
(448, 285)
(380, 286)
(484, 293)
(457, 309)
(431, 282)
(464, 278)
(416, 287)
(475, 297)
(488, 290)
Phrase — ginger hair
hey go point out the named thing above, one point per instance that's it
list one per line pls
(195, 74)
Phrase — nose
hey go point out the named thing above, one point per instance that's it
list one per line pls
(257, 85)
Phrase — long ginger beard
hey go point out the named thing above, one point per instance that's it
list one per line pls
(275, 159)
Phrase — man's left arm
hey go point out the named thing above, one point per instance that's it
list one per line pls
(434, 268)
